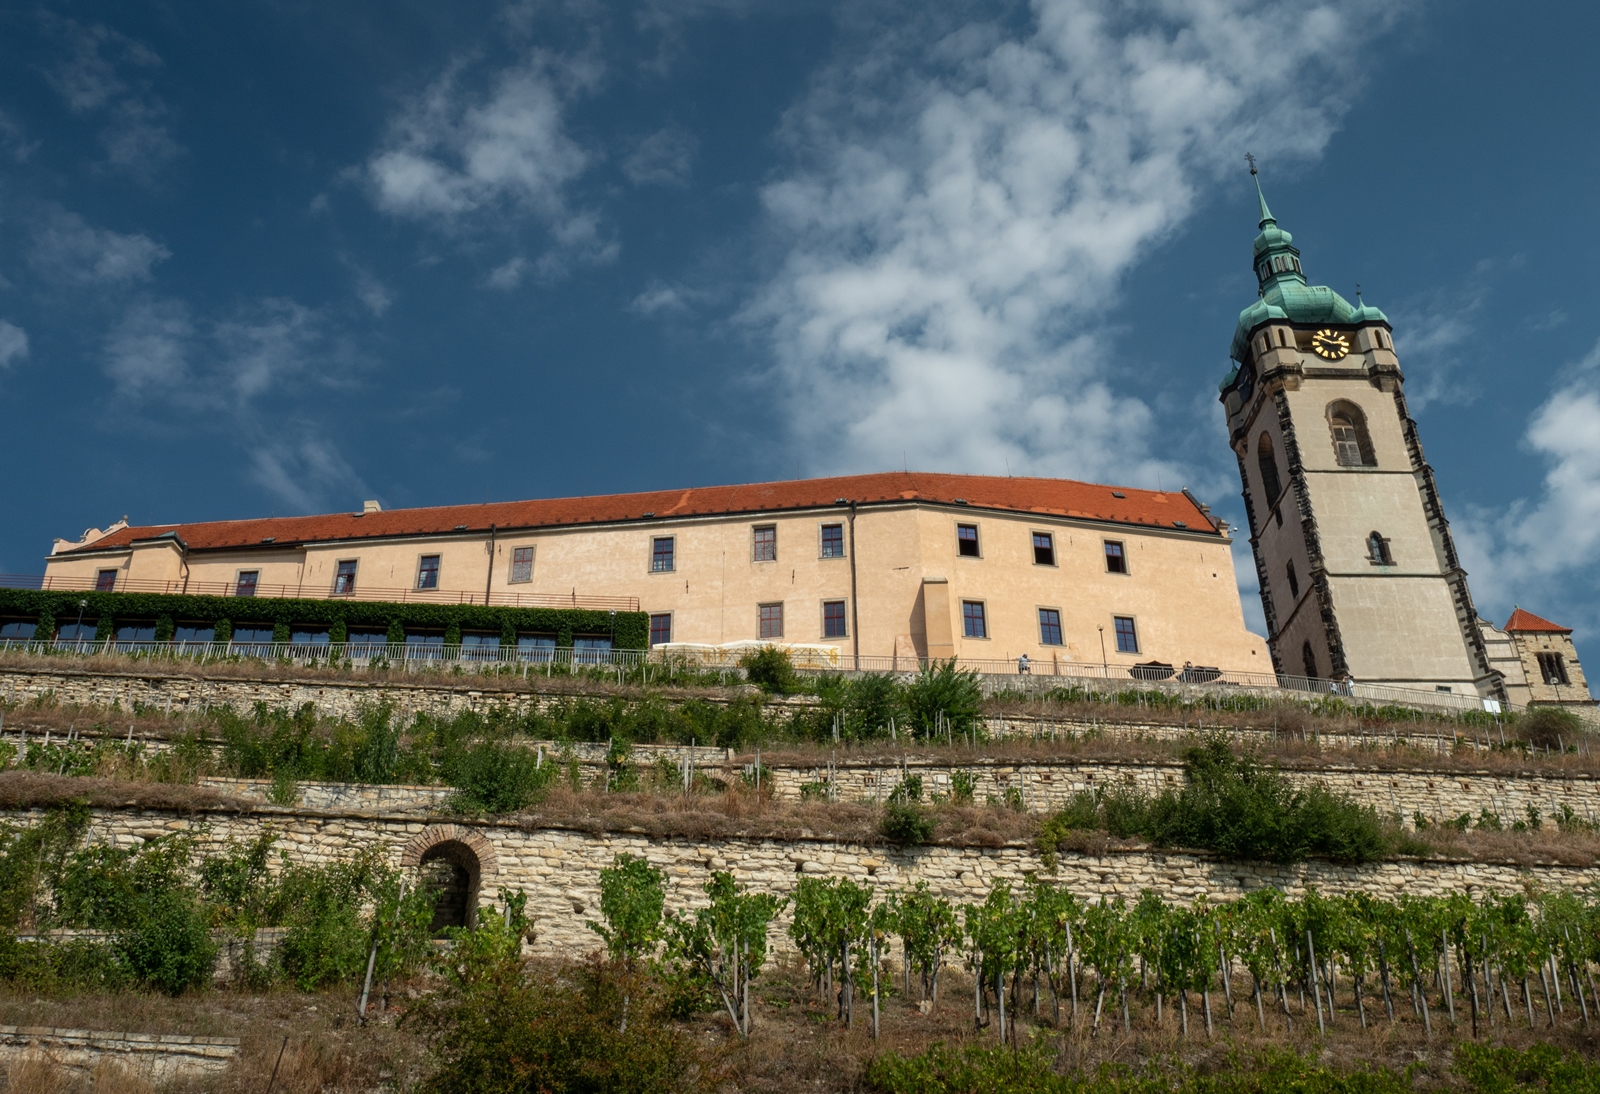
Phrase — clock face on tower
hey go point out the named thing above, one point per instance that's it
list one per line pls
(1246, 383)
(1330, 344)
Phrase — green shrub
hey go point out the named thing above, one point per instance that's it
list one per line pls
(498, 1026)
(1234, 806)
(491, 777)
(942, 693)
(167, 944)
(770, 669)
(906, 823)
(1550, 727)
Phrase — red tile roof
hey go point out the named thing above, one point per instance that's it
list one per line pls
(1056, 497)
(1527, 621)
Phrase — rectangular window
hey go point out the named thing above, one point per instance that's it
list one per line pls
(536, 647)
(521, 565)
(833, 624)
(967, 540)
(1116, 560)
(772, 621)
(764, 543)
(833, 541)
(308, 636)
(1044, 549)
(17, 628)
(663, 555)
(427, 572)
(246, 585)
(591, 649)
(194, 633)
(105, 581)
(1127, 636)
(1553, 668)
(344, 581)
(973, 623)
(360, 643)
(480, 646)
(660, 628)
(1049, 627)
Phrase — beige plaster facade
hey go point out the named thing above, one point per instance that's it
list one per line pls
(892, 567)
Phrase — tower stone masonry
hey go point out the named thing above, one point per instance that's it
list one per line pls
(1359, 575)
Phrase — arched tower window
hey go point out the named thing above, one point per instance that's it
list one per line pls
(1378, 550)
(1352, 446)
(1269, 468)
(1310, 659)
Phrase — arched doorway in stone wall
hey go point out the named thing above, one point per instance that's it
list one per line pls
(455, 864)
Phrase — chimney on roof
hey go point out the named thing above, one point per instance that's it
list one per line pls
(371, 507)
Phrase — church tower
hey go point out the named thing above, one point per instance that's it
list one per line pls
(1358, 571)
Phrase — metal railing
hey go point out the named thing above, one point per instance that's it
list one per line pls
(999, 677)
(320, 591)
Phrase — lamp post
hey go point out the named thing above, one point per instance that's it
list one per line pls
(1105, 668)
(77, 631)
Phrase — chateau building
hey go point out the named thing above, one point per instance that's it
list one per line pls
(900, 565)
(1359, 575)
(1537, 662)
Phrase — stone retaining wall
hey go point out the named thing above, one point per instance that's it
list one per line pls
(1038, 786)
(154, 1057)
(559, 868)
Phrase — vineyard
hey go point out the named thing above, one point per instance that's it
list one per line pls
(1042, 955)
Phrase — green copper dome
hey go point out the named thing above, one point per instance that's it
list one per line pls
(1284, 292)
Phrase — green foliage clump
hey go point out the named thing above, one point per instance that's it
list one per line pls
(632, 899)
(1550, 727)
(770, 669)
(944, 697)
(1234, 806)
(493, 777)
(906, 822)
(500, 1026)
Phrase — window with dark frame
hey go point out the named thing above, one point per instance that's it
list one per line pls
(1378, 550)
(833, 620)
(1116, 558)
(967, 540)
(1127, 634)
(1553, 668)
(1294, 581)
(521, 565)
(246, 583)
(973, 623)
(771, 620)
(663, 554)
(833, 541)
(1267, 463)
(660, 628)
(344, 580)
(1308, 656)
(764, 543)
(105, 581)
(1044, 549)
(1049, 627)
(428, 572)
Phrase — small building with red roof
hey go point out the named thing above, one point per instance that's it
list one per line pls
(1537, 662)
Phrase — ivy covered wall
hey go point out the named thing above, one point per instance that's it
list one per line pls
(627, 630)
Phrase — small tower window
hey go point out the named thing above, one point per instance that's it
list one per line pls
(1268, 462)
(1553, 668)
(1378, 550)
(1294, 582)
(1281, 340)
(1310, 659)
(1352, 446)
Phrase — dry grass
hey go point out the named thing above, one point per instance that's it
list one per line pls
(1532, 848)
(31, 789)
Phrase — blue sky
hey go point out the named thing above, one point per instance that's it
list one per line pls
(282, 257)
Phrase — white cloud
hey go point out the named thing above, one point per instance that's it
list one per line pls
(660, 298)
(265, 345)
(13, 342)
(508, 275)
(450, 155)
(664, 158)
(93, 78)
(66, 249)
(965, 207)
(13, 140)
(1543, 550)
(307, 474)
(149, 349)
